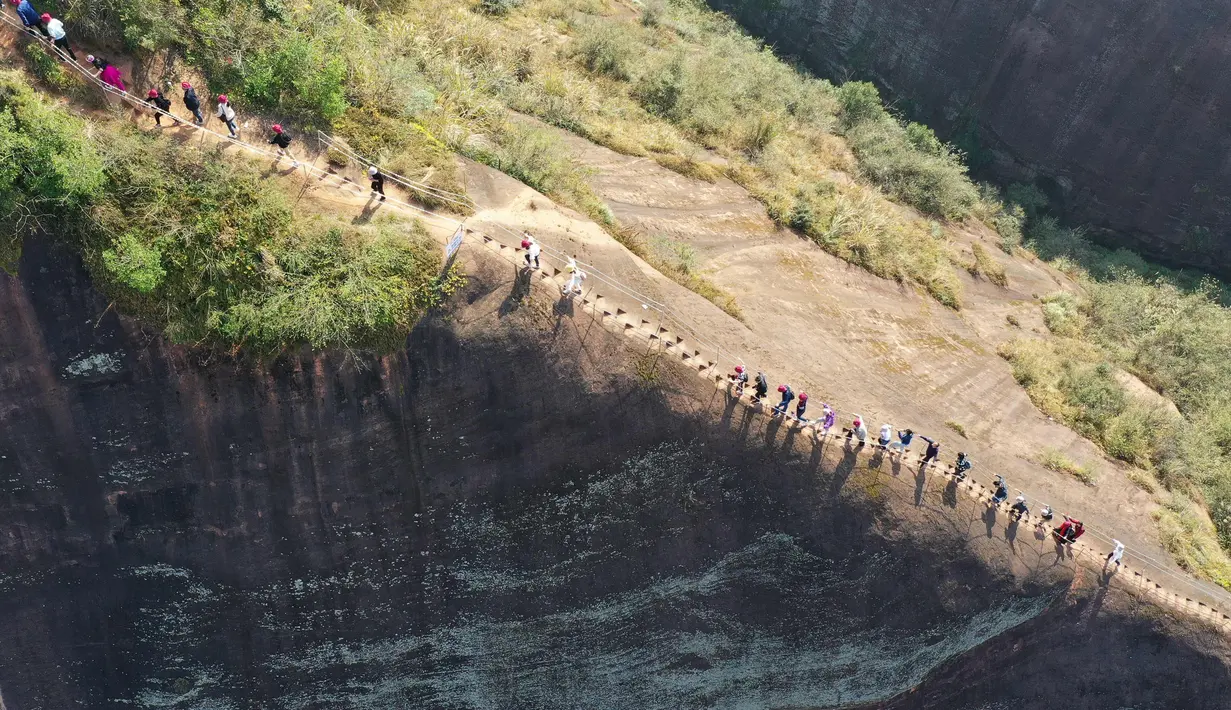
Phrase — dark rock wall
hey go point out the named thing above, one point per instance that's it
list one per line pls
(517, 511)
(1119, 109)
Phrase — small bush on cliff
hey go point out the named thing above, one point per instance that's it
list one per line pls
(205, 246)
(49, 168)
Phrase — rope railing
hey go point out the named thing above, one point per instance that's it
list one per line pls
(665, 311)
(413, 186)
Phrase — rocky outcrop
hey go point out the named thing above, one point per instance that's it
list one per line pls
(1119, 110)
(519, 509)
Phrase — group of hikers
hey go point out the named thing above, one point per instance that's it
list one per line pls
(52, 29)
(1065, 534)
(534, 252)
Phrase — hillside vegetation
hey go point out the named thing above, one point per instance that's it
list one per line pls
(410, 83)
(202, 245)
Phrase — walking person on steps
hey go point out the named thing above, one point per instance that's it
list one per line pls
(932, 453)
(29, 18)
(1002, 491)
(282, 140)
(828, 417)
(787, 397)
(740, 380)
(227, 114)
(378, 182)
(1116, 555)
(886, 436)
(802, 407)
(107, 72)
(961, 466)
(55, 30)
(858, 430)
(192, 103)
(161, 103)
(576, 276)
(762, 387)
(533, 250)
(904, 439)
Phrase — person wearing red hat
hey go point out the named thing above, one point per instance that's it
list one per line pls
(802, 407)
(740, 378)
(227, 114)
(55, 30)
(282, 139)
(161, 104)
(787, 396)
(191, 102)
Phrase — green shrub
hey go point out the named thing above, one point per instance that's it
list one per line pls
(1063, 315)
(299, 74)
(49, 168)
(607, 49)
(499, 7)
(860, 102)
(135, 264)
(936, 184)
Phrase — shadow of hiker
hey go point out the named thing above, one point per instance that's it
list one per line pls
(878, 458)
(949, 495)
(921, 482)
(895, 465)
(365, 215)
(517, 294)
(728, 410)
(989, 519)
(771, 431)
(818, 455)
(788, 440)
(1010, 532)
(844, 469)
(564, 307)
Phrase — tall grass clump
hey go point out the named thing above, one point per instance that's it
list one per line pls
(906, 160)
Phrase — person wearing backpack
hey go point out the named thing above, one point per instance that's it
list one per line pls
(192, 103)
(227, 114)
(961, 466)
(762, 387)
(787, 396)
(282, 140)
(161, 104)
(802, 407)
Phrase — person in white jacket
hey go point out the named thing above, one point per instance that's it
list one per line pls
(227, 114)
(1116, 554)
(532, 253)
(576, 276)
(55, 30)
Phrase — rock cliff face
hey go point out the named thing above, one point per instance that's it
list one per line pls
(1118, 109)
(519, 510)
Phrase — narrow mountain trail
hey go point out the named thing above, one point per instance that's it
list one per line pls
(862, 343)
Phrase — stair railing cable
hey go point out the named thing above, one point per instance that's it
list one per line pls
(413, 186)
(555, 254)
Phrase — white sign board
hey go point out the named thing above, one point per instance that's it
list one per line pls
(455, 243)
